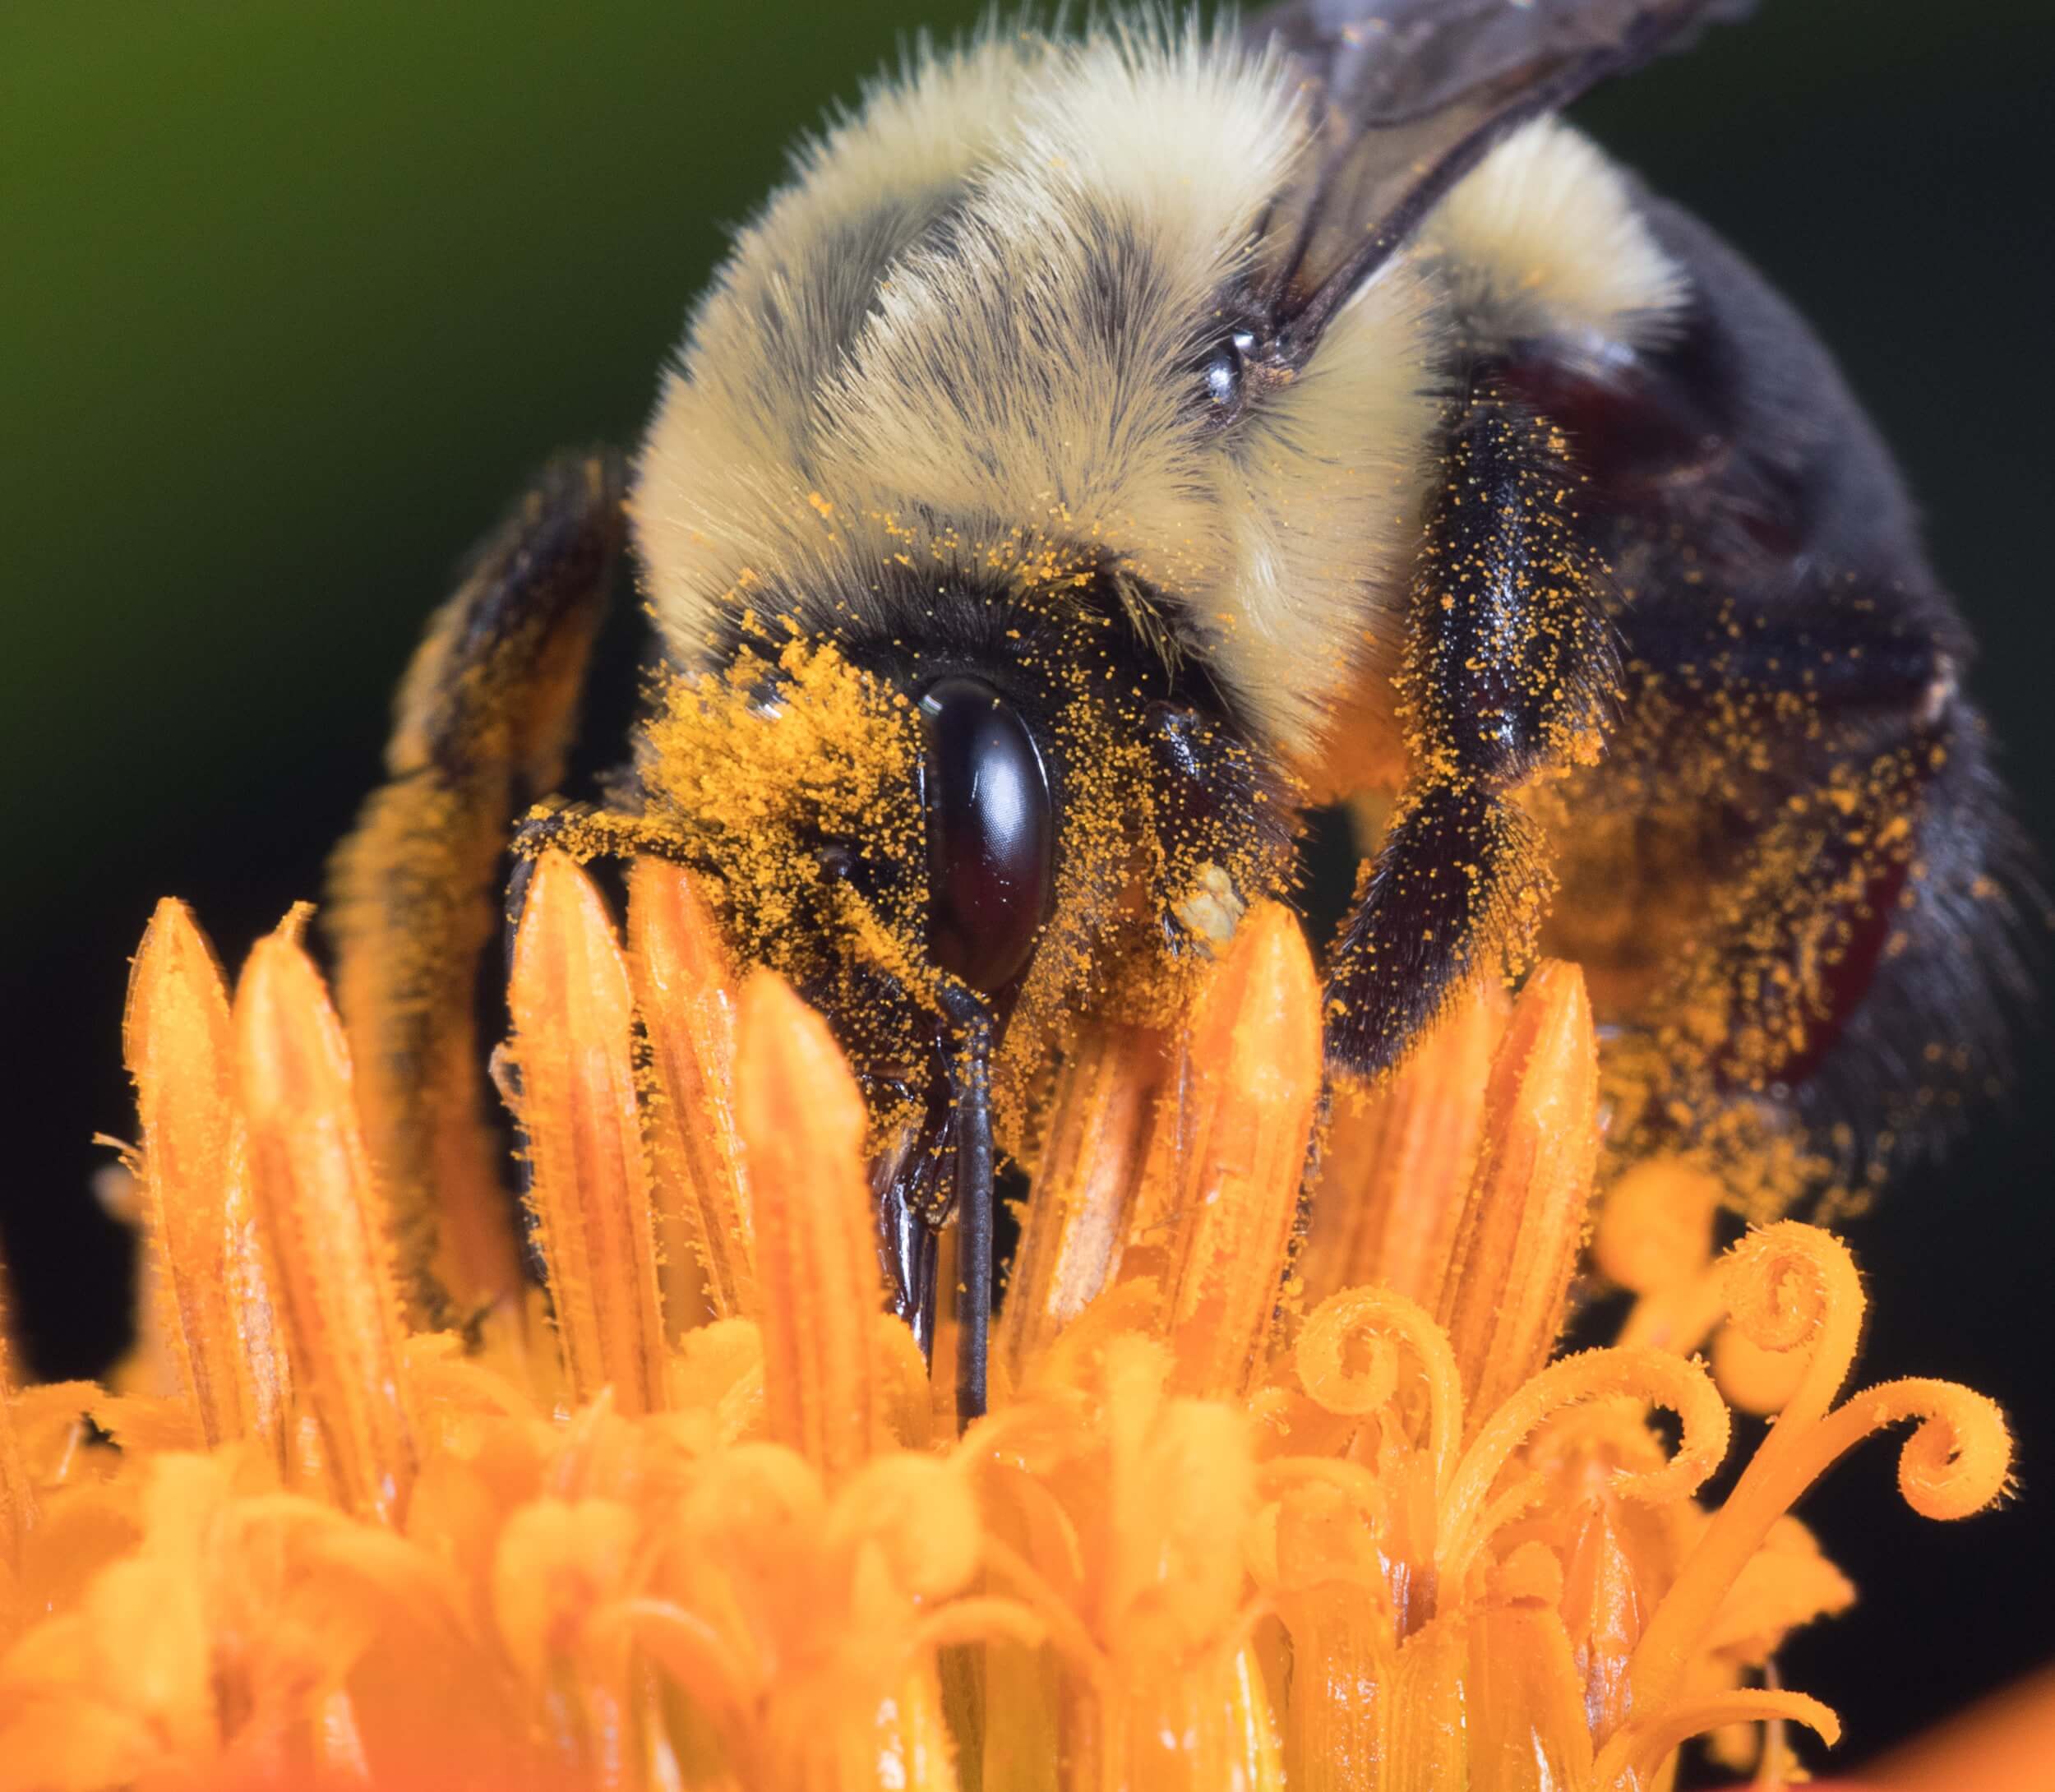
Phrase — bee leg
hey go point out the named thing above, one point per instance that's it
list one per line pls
(1509, 665)
(910, 1253)
(481, 726)
(944, 1173)
(1457, 889)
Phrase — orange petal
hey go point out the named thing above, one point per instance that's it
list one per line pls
(1255, 1061)
(589, 1186)
(197, 1214)
(685, 991)
(1335, 1602)
(1786, 1583)
(1425, 1738)
(818, 1280)
(557, 1564)
(1508, 1278)
(1181, 1476)
(1603, 1610)
(1524, 1703)
(1398, 1159)
(1085, 1186)
(327, 1253)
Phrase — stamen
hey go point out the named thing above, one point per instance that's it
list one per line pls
(179, 1041)
(685, 993)
(1508, 1279)
(1399, 1156)
(1256, 1067)
(573, 1020)
(818, 1283)
(327, 1251)
(1085, 1187)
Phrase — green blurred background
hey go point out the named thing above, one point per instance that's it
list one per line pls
(292, 297)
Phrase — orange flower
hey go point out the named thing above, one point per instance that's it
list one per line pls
(1255, 1505)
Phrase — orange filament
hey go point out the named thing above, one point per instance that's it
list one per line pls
(802, 1125)
(327, 1254)
(194, 1179)
(1515, 1248)
(1399, 1156)
(684, 994)
(1255, 1051)
(591, 1186)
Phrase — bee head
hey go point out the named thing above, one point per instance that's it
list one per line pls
(1013, 817)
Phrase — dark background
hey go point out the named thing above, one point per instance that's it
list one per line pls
(291, 299)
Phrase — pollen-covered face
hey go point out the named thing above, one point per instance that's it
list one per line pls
(880, 827)
(984, 482)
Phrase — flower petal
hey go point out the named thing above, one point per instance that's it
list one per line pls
(1256, 1065)
(196, 1204)
(685, 992)
(819, 1282)
(1517, 1244)
(572, 1026)
(327, 1251)
(1398, 1159)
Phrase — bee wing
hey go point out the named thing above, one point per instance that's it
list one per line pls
(1411, 93)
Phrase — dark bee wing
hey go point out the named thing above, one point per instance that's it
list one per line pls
(1411, 93)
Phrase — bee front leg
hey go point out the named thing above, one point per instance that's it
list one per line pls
(1509, 665)
(481, 726)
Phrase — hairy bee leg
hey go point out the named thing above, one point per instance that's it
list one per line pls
(481, 725)
(1509, 665)
(1457, 889)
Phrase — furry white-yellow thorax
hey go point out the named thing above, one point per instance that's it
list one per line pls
(966, 333)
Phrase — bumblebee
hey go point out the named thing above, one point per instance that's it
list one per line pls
(1105, 452)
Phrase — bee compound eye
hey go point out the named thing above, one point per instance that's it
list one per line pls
(990, 833)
